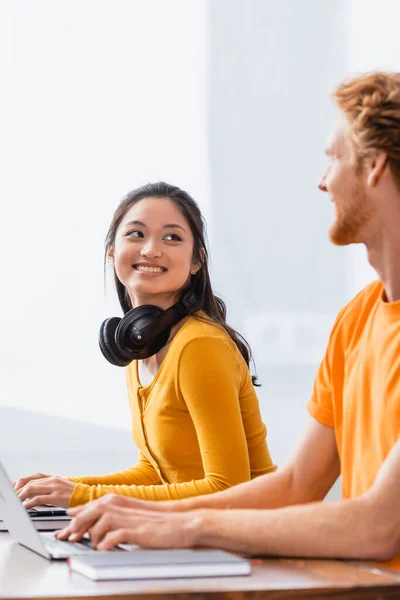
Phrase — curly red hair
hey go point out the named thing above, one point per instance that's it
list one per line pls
(371, 103)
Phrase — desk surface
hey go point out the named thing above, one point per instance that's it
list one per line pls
(24, 574)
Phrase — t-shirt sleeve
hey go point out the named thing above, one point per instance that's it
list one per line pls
(320, 405)
(328, 381)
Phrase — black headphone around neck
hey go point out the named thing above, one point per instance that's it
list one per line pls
(142, 331)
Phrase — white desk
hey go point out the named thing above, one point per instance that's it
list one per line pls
(24, 574)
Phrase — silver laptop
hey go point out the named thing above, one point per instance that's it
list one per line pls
(23, 531)
(43, 510)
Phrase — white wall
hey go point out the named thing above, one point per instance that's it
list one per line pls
(375, 44)
(273, 65)
(100, 97)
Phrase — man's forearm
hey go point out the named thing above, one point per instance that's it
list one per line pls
(267, 491)
(344, 529)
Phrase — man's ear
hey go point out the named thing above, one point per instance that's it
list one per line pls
(376, 166)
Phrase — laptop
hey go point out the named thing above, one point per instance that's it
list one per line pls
(22, 529)
(42, 510)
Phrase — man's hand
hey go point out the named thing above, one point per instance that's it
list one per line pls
(49, 489)
(86, 515)
(115, 520)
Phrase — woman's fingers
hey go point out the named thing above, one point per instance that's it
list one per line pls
(52, 490)
(32, 489)
(20, 483)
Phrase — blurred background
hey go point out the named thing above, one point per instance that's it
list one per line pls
(228, 99)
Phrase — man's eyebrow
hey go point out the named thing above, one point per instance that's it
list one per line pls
(168, 226)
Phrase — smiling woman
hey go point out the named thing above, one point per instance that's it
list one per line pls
(152, 253)
(195, 415)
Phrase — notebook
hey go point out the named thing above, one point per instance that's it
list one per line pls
(159, 564)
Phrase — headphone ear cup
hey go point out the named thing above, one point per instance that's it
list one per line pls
(139, 332)
(107, 342)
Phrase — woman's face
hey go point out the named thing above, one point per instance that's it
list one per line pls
(153, 252)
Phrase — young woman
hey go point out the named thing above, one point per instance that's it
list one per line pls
(195, 414)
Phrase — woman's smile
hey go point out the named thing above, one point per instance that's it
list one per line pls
(149, 270)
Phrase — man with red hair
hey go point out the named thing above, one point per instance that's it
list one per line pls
(354, 427)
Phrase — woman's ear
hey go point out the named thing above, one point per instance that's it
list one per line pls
(110, 256)
(196, 266)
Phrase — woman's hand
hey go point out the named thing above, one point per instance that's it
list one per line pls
(49, 489)
(113, 520)
(19, 483)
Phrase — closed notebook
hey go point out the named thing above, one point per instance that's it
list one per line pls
(159, 564)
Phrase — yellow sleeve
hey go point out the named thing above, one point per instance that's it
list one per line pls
(209, 379)
(143, 473)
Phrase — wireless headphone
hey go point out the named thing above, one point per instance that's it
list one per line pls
(142, 331)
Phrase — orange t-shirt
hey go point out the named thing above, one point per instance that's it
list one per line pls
(357, 388)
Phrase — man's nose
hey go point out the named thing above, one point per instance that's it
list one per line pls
(322, 185)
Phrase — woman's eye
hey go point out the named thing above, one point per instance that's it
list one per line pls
(172, 237)
(134, 233)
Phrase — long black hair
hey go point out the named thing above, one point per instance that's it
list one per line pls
(200, 284)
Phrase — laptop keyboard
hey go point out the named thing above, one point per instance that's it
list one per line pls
(45, 510)
(59, 549)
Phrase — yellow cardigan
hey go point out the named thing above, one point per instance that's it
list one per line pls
(197, 424)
